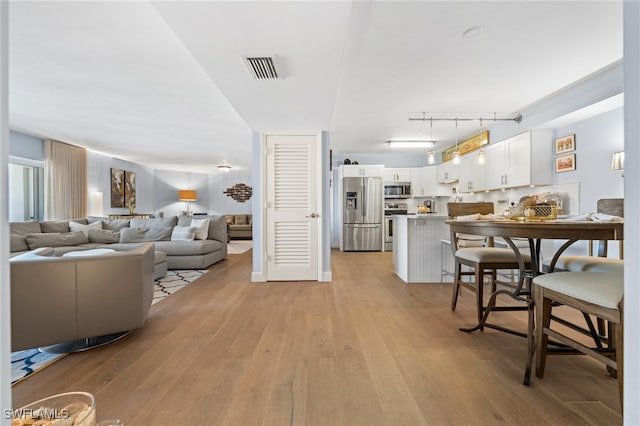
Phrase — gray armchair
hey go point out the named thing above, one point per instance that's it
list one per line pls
(63, 299)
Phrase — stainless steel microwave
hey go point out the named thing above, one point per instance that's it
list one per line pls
(397, 190)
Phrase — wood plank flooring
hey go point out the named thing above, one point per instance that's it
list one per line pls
(365, 349)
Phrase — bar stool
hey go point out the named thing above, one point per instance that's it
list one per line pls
(600, 294)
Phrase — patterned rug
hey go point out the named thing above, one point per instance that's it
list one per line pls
(28, 361)
(239, 246)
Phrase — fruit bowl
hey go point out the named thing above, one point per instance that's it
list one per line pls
(64, 409)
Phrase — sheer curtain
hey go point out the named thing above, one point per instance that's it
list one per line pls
(65, 188)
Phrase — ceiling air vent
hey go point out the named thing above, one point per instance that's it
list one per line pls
(262, 67)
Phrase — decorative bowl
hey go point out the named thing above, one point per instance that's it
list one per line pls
(64, 409)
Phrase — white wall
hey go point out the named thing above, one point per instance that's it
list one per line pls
(5, 289)
(632, 210)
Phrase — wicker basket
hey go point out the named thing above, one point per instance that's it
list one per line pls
(537, 212)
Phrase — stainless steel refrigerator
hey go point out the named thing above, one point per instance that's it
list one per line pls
(362, 214)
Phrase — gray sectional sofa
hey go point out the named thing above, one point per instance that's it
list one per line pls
(179, 242)
(82, 297)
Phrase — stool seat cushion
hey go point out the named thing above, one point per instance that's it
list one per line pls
(587, 263)
(600, 288)
(489, 255)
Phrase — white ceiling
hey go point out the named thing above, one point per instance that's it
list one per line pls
(163, 84)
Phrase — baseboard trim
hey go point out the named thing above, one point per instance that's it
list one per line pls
(326, 276)
(258, 277)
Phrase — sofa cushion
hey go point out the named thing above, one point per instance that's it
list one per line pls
(156, 222)
(241, 219)
(230, 219)
(140, 235)
(193, 248)
(24, 228)
(56, 239)
(114, 224)
(104, 236)
(75, 226)
(17, 243)
(54, 226)
(183, 233)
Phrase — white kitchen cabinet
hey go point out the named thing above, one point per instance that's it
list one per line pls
(396, 174)
(417, 183)
(357, 170)
(522, 160)
(472, 172)
(429, 183)
(448, 172)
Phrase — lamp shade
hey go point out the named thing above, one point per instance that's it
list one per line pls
(187, 195)
(617, 162)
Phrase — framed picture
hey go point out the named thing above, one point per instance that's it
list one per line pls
(117, 188)
(129, 189)
(565, 144)
(565, 163)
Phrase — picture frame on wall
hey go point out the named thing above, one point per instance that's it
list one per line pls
(565, 163)
(117, 187)
(565, 144)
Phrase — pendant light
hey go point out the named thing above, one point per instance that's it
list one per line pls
(432, 153)
(481, 154)
(456, 153)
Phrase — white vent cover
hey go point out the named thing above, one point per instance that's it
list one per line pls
(261, 67)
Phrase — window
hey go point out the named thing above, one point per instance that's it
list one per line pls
(26, 190)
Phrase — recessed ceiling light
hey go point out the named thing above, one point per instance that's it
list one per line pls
(472, 33)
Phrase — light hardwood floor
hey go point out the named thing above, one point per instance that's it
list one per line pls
(365, 349)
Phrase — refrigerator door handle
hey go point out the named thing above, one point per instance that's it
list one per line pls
(363, 188)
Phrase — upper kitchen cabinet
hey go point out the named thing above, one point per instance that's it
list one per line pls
(522, 160)
(448, 172)
(472, 172)
(396, 174)
(429, 186)
(357, 170)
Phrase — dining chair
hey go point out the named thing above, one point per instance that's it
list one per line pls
(600, 262)
(600, 294)
(479, 255)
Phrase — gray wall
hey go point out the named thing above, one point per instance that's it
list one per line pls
(25, 146)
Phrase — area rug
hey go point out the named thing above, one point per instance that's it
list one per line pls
(239, 246)
(28, 361)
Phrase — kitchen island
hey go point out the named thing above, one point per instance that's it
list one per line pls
(416, 246)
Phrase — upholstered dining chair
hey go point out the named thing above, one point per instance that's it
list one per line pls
(600, 294)
(600, 262)
(483, 261)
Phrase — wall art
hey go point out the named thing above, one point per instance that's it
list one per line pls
(239, 192)
(565, 163)
(565, 144)
(117, 187)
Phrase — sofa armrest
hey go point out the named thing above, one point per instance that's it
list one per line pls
(218, 230)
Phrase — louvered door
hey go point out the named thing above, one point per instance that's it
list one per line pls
(292, 207)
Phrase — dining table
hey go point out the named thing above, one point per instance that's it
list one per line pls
(566, 230)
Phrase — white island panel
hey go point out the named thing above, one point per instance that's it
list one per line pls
(416, 247)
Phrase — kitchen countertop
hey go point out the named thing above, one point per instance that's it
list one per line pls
(421, 215)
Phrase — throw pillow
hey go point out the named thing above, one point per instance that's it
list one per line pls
(104, 236)
(115, 224)
(74, 226)
(54, 226)
(17, 243)
(202, 228)
(56, 239)
(183, 233)
(241, 219)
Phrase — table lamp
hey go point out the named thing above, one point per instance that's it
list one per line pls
(187, 195)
